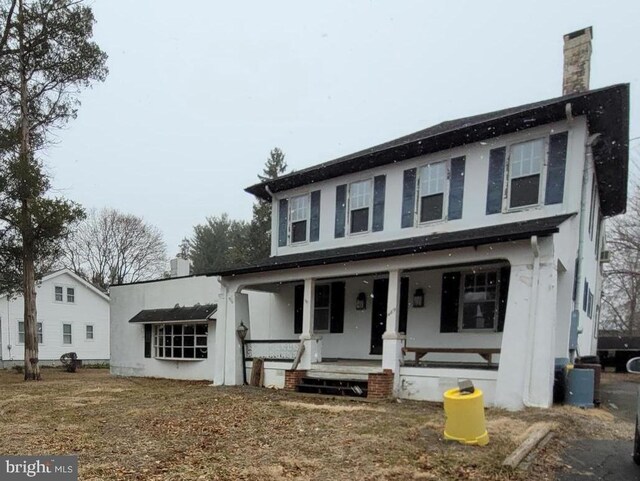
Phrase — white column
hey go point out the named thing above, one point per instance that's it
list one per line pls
(312, 343)
(392, 340)
(219, 350)
(236, 310)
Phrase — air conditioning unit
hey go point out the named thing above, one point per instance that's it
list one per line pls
(604, 256)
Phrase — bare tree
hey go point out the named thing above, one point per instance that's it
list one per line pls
(111, 247)
(621, 288)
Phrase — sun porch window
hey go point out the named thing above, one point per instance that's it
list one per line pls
(180, 341)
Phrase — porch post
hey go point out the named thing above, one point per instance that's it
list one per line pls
(392, 340)
(313, 350)
(236, 311)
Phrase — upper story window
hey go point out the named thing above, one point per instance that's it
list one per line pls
(433, 180)
(71, 294)
(58, 293)
(299, 218)
(360, 195)
(525, 168)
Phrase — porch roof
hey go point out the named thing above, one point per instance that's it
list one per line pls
(606, 109)
(413, 245)
(175, 314)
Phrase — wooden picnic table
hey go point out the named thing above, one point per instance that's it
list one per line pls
(420, 352)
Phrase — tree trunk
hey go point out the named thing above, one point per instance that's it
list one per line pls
(31, 367)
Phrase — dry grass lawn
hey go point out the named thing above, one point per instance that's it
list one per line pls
(150, 429)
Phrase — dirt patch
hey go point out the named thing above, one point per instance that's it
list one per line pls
(334, 408)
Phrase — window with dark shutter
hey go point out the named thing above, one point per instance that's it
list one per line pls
(283, 219)
(341, 210)
(433, 179)
(480, 300)
(379, 184)
(314, 229)
(299, 218)
(554, 190)
(495, 184)
(360, 194)
(298, 303)
(456, 188)
(450, 302)
(322, 308)
(525, 167)
(585, 296)
(408, 197)
(337, 307)
(148, 336)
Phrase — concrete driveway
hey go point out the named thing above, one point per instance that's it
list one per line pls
(610, 460)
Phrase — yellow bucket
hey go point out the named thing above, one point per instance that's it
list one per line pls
(465, 417)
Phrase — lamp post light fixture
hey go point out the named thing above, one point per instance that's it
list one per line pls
(242, 334)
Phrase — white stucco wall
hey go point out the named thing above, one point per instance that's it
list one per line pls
(475, 192)
(88, 308)
(127, 340)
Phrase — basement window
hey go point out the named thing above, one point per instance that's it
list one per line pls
(180, 341)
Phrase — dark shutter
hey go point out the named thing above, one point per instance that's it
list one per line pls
(337, 307)
(456, 188)
(505, 275)
(283, 219)
(341, 210)
(585, 296)
(554, 190)
(404, 304)
(449, 302)
(298, 303)
(576, 280)
(314, 227)
(148, 335)
(379, 183)
(495, 184)
(408, 197)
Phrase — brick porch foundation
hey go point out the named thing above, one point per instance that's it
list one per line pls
(380, 385)
(292, 379)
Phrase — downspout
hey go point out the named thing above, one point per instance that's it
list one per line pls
(533, 311)
(588, 161)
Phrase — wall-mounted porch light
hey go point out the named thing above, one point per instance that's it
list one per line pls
(361, 302)
(418, 298)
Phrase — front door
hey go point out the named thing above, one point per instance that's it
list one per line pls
(378, 314)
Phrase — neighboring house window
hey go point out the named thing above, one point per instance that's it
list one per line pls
(71, 294)
(21, 332)
(66, 334)
(58, 291)
(360, 194)
(322, 308)
(479, 299)
(525, 168)
(180, 341)
(299, 218)
(89, 332)
(433, 180)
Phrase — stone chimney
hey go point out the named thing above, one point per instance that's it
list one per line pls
(577, 61)
(180, 267)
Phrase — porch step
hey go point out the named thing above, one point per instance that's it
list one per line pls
(342, 376)
(333, 387)
(349, 369)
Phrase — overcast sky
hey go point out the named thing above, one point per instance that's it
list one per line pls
(200, 91)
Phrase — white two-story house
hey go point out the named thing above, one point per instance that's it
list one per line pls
(470, 249)
(73, 316)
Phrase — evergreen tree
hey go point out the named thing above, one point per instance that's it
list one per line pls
(260, 228)
(46, 57)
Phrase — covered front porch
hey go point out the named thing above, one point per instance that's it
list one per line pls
(485, 313)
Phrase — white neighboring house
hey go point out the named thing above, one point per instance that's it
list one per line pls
(73, 316)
